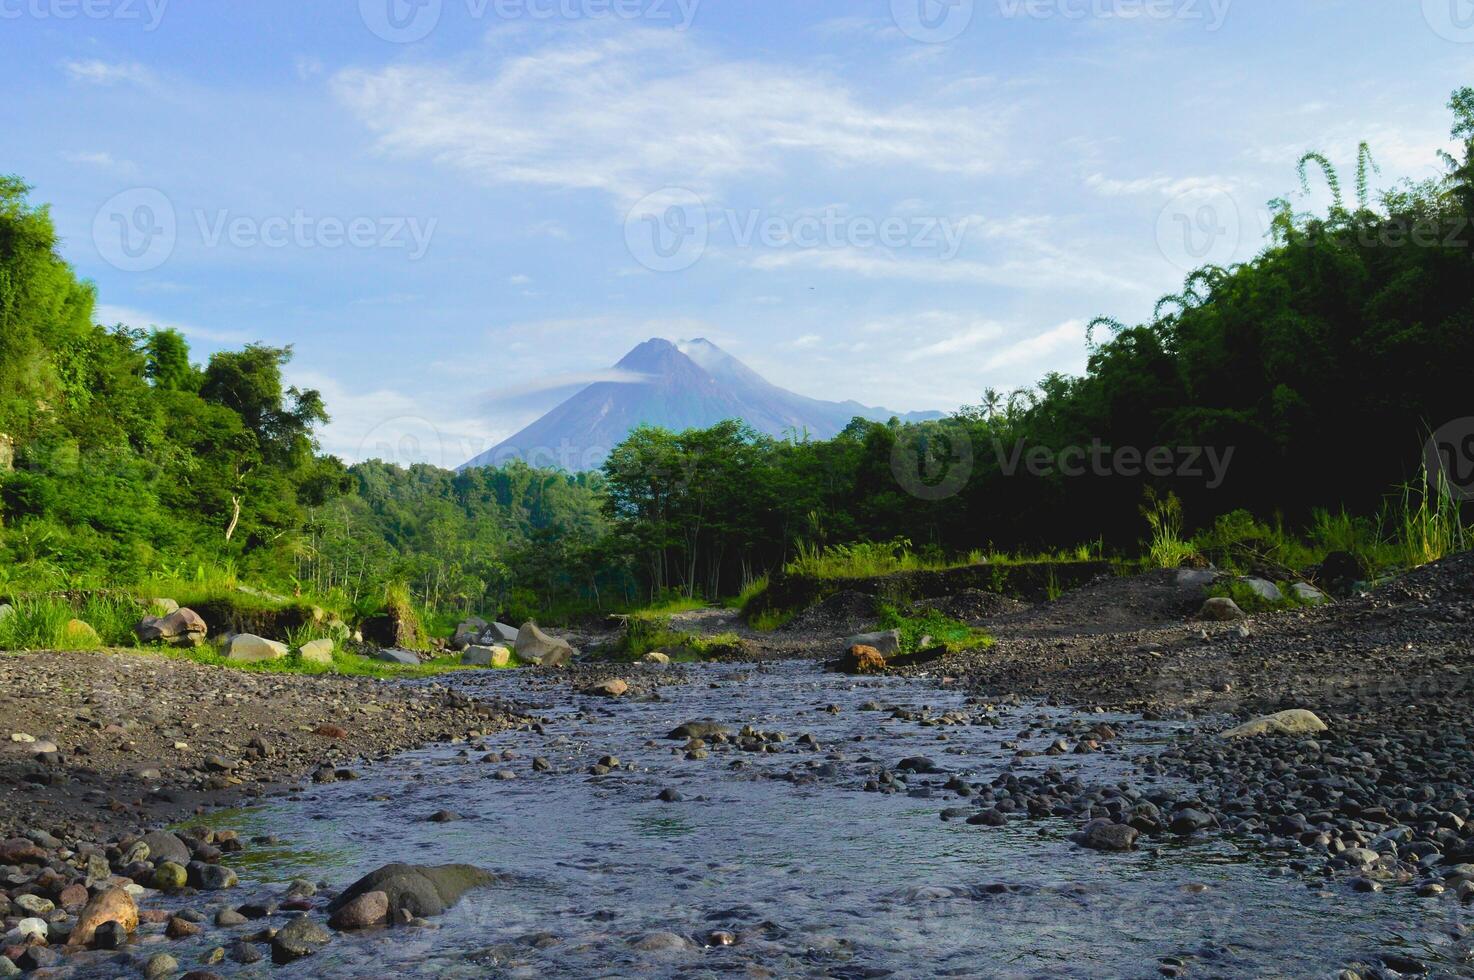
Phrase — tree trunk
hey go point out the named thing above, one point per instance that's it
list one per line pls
(235, 517)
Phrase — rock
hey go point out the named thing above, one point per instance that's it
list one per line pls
(299, 938)
(401, 657)
(1196, 578)
(318, 652)
(26, 930)
(6, 610)
(661, 942)
(536, 647)
(162, 607)
(479, 656)
(244, 953)
(38, 958)
(164, 846)
(229, 919)
(247, 648)
(1221, 610)
(655, 657)
(886, 643)
(1296, 721)
(110, 935)
(1103, 835)
(698, 729)
(365, 910)
(1309, 594)
(420, 890)
(613, 688)
(468, 633)
(213, 877)
(180, 628)
(181, 928)
(79, 635)
(499, 633)
(1264, 589)
(33, 904)
(861, 660)
(169, 877)
(1340, 573)
(160, 965)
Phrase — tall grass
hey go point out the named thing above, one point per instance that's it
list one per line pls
(43, 624)
(1430, 522)
(1167, 547)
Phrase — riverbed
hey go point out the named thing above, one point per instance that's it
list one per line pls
(797, 860)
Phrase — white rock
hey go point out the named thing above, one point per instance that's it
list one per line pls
(248, 649)
(887, 642)
(655, 657)
(24, 929)
(1309, 594)
(22, 737)
(1296, 721)
(318, 652)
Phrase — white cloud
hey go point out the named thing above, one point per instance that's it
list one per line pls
(648, 110)
(1038, 348)
(1160, 186)
(97, 72)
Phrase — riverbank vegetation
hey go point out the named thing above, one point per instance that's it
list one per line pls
(1293, 395)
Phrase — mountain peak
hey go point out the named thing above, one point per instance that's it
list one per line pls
(676, 386)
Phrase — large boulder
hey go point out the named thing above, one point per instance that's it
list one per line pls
(887, 643)
(109, 905)
(248, 648)
(1221, 610)
(538, 648)
(861, 660)
(1105, 835)
(180, 628)
(1296, 721)
(479, 656)
(318, 652)
(419, 890)
(499, 633)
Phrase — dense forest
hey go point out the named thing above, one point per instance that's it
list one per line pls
(1321, 366)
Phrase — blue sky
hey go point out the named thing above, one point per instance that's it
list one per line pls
(459, 210)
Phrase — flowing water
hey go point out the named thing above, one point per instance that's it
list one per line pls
(786, 852)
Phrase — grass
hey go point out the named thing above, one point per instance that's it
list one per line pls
(871, 560)
(771, 619)
(651, 632)
(344, 664)
(1430, 522)
(930, 628)
(1167, 548)
(41, 624)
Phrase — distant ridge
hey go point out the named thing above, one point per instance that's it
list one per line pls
(677, 386)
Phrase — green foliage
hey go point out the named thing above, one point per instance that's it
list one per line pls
(41, 623)
(1252, 602)
(928, 629)
(1431, 523)
(652, 632)
(1167, 548)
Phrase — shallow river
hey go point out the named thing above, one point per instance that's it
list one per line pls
(785, 851)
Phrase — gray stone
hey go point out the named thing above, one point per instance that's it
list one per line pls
(888, 642)
(500, 633)
(180, 628)
(536, 647)
(164, 846)
(402, 657)
(1196, 578)
(420, 890)
(160, 965)
(1103, 835)
(299, 938)
(247, 648)
(1309, 594)
(1264, 589)
(1221, 610)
